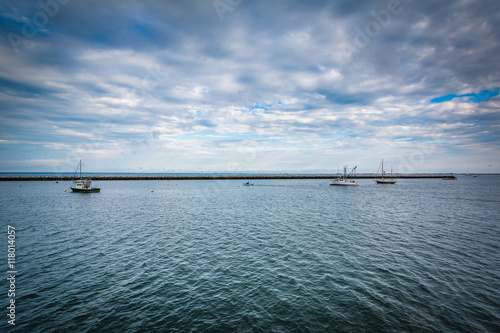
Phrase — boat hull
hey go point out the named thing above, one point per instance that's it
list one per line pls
(86, 190)
(386, 181)
(334, 183)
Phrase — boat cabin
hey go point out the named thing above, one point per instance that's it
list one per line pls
(83, 184)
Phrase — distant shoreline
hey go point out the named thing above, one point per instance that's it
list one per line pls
(54, 177)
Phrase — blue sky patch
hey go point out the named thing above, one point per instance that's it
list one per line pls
(474, 98)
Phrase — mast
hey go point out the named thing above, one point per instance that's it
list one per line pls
(382, 169)
(80, 168)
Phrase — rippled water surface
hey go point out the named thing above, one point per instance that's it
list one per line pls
(280, 256)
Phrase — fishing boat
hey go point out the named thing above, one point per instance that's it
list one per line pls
(345, 179)
(247, 184)
(450, 177)
(384, 180)
(83, 184)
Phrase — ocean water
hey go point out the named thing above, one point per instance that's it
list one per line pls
(281, 256)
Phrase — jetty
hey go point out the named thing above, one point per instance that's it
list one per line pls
(56, 177)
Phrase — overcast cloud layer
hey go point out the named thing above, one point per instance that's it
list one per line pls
(235, 86)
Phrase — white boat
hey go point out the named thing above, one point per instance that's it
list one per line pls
(247, 184)
(82, 184)
(383, 180)
(346, 179)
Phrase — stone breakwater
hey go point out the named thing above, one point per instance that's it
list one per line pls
(204, 177)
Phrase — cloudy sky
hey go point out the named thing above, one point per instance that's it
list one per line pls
(245, 85)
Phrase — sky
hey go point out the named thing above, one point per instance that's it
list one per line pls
(249, 86)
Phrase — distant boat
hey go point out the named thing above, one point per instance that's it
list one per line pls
(450, 177)
(345, 179)
(247, 184)
(83, 184)
(382, 180)
(469, 174)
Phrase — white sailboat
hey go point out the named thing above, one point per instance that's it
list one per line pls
(383, 180)
(346, 179)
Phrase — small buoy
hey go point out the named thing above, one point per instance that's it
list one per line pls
(152, 191)
(57, 181)
(64, 190)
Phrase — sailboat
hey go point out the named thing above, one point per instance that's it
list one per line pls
(385, 181)
(83, 184)
(346, 179)
(469, 174)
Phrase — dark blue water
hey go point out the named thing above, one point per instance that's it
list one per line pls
(280, 256)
